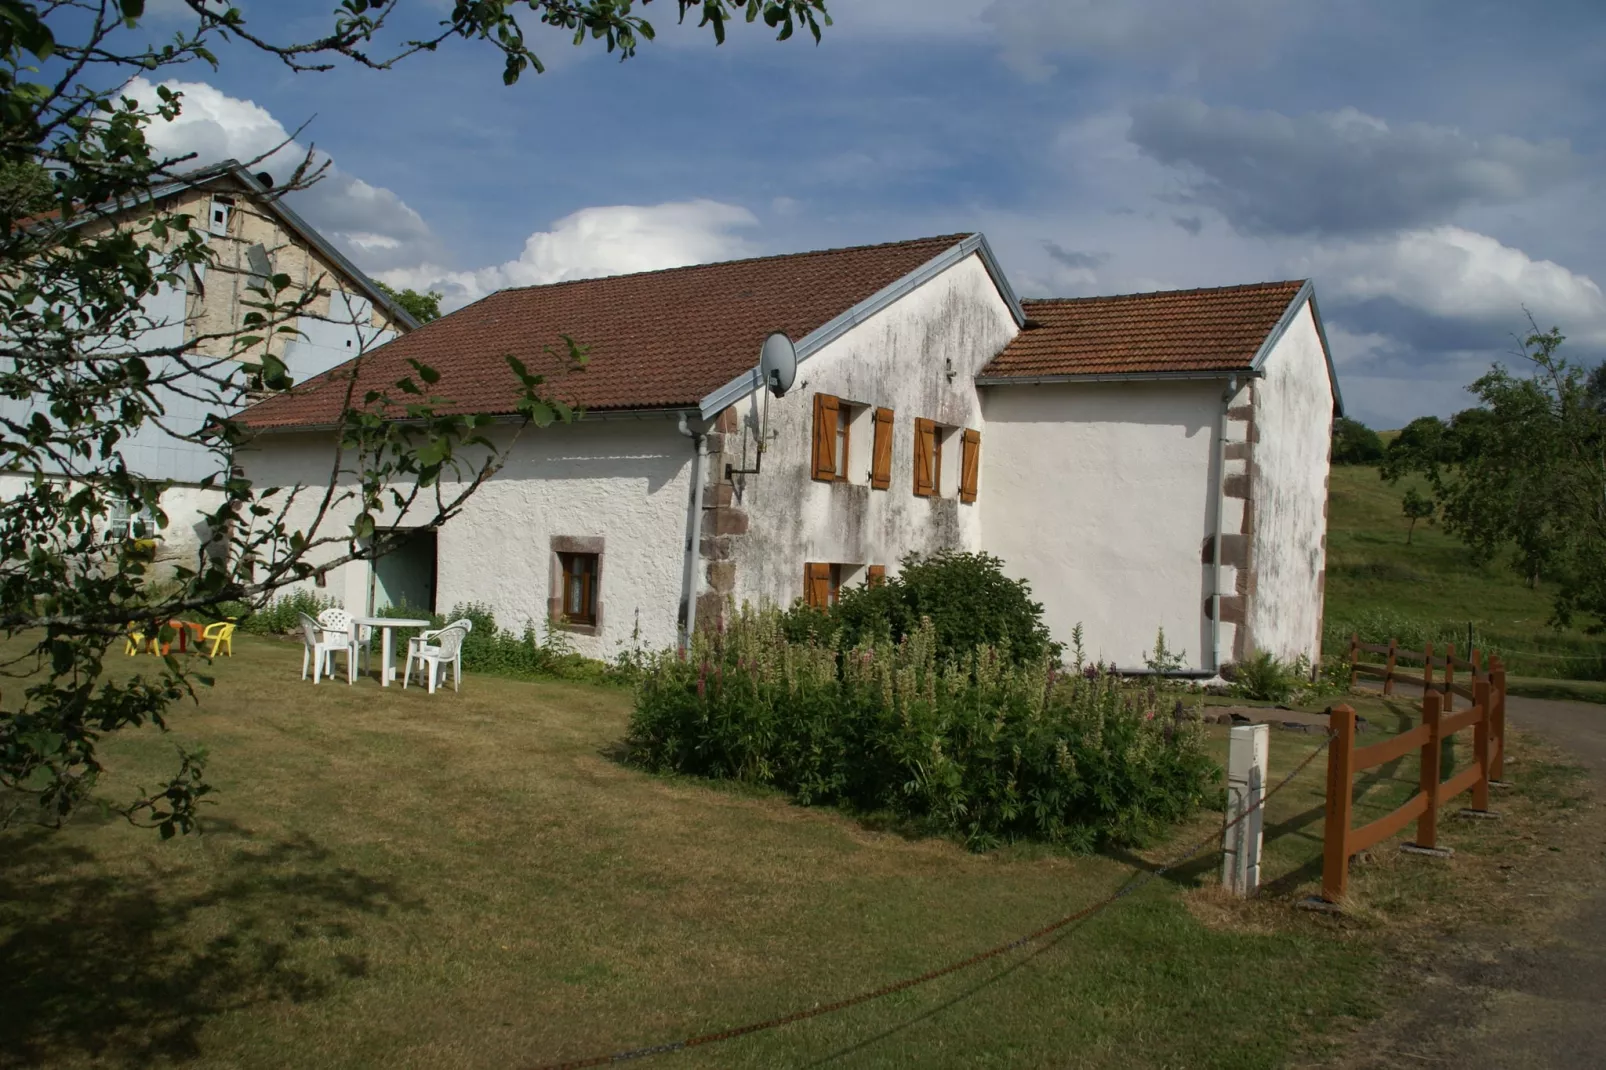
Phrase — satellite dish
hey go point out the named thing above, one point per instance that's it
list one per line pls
(777, 364)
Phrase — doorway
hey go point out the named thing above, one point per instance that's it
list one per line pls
(406, 575)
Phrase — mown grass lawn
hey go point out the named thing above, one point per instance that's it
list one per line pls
(394, 879)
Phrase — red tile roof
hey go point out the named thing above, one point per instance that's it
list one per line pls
(657, 339)
(1172, 331)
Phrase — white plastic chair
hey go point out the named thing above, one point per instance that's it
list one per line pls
(447, 648)
(337, 624)
(321, 646)
(427, 636)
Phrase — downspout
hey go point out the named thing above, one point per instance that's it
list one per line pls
(1221, 509)
(694, 525)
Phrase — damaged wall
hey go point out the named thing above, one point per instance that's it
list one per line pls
(919, 358)
(1292, 426)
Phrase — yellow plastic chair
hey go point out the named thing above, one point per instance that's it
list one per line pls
(222, 635)
(135, 643)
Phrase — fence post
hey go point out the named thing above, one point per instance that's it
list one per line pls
(1427, 826)
(1427, 671)
(1388, 674)
(1354, 658)
(1480, 745)
(1497, 720)
(1340, 801)
(1247, 753)
(1449, 678)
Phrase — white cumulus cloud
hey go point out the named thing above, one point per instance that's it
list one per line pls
(592, 242)
(369, 222)
(1454, 274)
(387, 238)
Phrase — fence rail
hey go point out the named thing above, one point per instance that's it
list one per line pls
(1389, 672)
(1487, 719)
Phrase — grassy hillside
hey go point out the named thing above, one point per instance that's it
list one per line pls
(1430, 590)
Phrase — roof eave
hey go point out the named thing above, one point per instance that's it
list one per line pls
(664, 412)
(817, 339)
(319, 242)
(1214, 374)
(1307, 292)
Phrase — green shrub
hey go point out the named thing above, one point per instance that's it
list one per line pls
(1264, 678)
(966, 597)
(979, 745)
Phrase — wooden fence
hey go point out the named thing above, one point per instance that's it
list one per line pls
(1486, 716)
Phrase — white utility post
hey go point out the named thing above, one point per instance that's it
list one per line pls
(1246, 785)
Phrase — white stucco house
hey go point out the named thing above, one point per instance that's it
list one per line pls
(251, 234)
(1145, 461)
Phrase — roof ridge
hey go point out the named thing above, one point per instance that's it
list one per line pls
(953, 238)
(1242, 287)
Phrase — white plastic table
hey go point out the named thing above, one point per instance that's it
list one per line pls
(387, 642)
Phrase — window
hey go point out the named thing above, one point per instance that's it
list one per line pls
(969, 464)
(218, 223)
(833, 438)
(881, 451)
(580, 571)
(928, 458)
(574, 601)
(123, 523)
(875, 575)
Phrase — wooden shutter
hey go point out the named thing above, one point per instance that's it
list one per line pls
(881, 452)
(825, 418)
(875, 575)
(969, 464)
(925, 457)
(817, 584)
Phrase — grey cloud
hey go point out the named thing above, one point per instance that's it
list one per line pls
(1190, 223)
(1341, 172)
(1075, 259)
(1151, 32)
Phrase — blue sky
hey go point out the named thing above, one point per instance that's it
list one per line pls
(1436, 167)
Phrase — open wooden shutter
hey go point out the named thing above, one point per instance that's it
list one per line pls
(817, 584)
(969, 464)
(875, 575)
(825, 418)
(925, 457)
(881, 453)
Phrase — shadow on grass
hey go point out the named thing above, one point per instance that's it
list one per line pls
(128, 968)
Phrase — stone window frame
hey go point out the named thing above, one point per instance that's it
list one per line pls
(573, 544)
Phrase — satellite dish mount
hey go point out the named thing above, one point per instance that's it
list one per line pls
(777, 370)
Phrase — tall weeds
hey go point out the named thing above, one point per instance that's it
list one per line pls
(981, 747)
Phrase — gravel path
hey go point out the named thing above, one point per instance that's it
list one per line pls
(1494, 1004)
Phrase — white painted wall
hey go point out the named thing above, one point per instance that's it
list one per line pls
(1293, 425)
(899, 358)
(1101, 495)
(627, 481)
